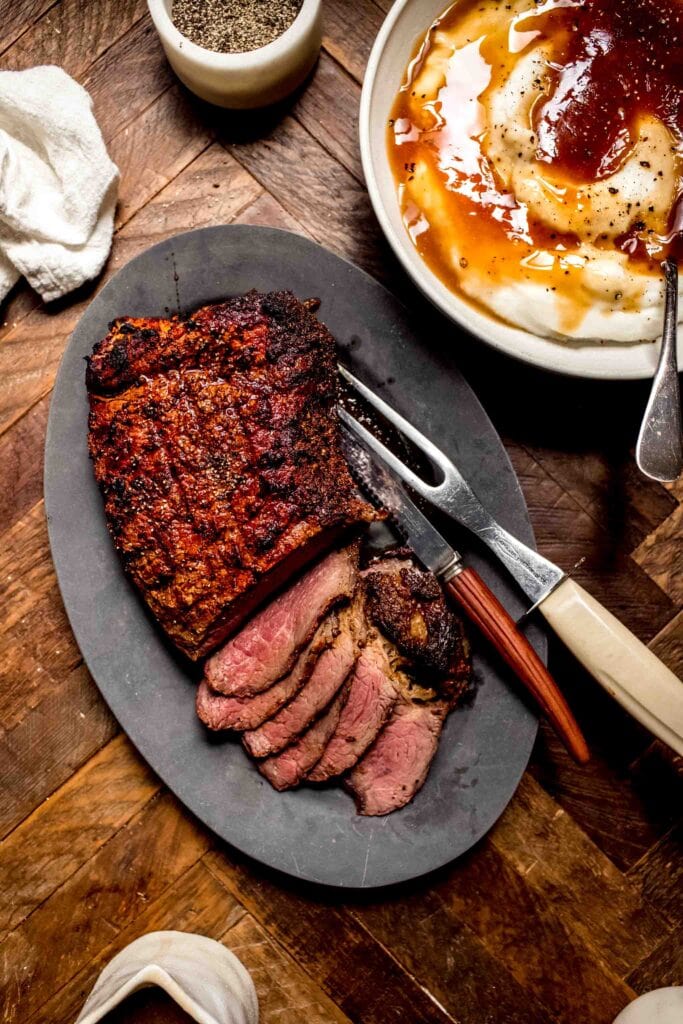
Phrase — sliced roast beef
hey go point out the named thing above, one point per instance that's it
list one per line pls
(348, 675)
(328, 675)
(372, 695)
(266, 649)
(239, 713)
(289, 768)
(396, 765)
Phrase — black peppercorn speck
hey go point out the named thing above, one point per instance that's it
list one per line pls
(233, 26)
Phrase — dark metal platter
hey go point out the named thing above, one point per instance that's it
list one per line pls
(311, 834)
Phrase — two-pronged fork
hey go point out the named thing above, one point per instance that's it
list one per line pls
(624, 666)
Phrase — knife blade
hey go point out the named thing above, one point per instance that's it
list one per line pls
(431, 548)
(466, 586)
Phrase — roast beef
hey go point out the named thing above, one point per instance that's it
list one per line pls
(288, 769)
(266, 648)
(432, 669)
(216, 447)
(396, 765)
(408, 605)
(328, 675)
(239, 713)
(372, 695)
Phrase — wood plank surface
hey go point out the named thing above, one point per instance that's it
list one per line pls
(663, 967)
(193, 902)
(18, 16)
(86, 913)
(70, 827)
(55, 738)
(21, 461)
(362, 977)
(286, 994)
(572, 904)
(487, 895)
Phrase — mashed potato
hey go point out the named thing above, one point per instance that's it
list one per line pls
(512, 230)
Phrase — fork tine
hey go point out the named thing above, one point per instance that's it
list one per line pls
(418, 439)
(383, 453)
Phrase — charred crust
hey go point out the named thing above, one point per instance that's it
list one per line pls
(409, 607)
(216, 449)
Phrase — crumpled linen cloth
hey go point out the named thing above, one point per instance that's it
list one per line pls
(58, 187)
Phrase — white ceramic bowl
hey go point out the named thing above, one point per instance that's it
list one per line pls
(405, 24)
(243, 80)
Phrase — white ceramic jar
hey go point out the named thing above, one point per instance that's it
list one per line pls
(241, 81)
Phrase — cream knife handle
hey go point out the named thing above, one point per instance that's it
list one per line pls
(624, 666)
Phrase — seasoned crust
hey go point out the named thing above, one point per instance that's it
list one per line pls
(216, 447)
(245, 333)
(408, 605)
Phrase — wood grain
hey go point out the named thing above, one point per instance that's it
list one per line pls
(668, 644)
(608, 486)
(559, 862)
(163, 156)
(623, 809)
(459, 971)
(59, 735)
(329, 112)
(194, 902)
(349, 38)
(484, 894)
(127, 78)
(660, 875)
(285, 993)
(18, 16)
(566, 534)
(39, 647)
(69, 828)
(663, 967)
(661, 555)
(21, 461)
(213, 189)
(315, 189)
(24, 572)
(21, 301)
(73, 34)
(266, 211)
(88, 911)
(358, 974)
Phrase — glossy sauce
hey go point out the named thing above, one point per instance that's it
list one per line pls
(612, 63)
(621, 59)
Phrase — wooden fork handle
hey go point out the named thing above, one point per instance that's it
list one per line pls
(485, 610)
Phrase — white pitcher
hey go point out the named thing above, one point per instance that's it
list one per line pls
(203, 977)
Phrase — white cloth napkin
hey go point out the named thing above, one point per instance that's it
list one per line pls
(58, 187)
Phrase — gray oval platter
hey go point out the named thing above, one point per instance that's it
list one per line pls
(311, 834)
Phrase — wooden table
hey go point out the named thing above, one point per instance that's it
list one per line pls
(573, 903)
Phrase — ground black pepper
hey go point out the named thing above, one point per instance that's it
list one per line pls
(233, 26)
